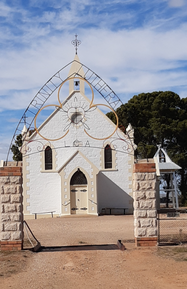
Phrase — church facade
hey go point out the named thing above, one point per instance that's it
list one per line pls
(77, 161)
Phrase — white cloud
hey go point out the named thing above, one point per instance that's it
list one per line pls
(5, 143)
(176, 3)
(137, 58)
(13, 120)
(4, 10)
(133, 50)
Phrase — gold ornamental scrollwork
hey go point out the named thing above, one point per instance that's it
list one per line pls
(81, 78)
(48, 139)
(95, 105)
(90, 107)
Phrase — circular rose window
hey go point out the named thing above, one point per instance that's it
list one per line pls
(76, 117)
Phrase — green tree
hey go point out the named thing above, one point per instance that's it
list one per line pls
(17, 156)
(158, 118)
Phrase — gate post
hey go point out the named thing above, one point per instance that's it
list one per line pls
(11, 232)
(145, 210)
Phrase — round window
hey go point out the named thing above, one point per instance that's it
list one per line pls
(76, 117)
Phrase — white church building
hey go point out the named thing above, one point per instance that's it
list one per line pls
(86, 162)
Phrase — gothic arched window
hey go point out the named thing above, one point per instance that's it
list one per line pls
(48, 158)
(108, 157)
(78, 178)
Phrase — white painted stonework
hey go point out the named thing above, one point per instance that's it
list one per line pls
(72, 165)
(49, 190)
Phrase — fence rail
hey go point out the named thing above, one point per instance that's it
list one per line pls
(172, 226)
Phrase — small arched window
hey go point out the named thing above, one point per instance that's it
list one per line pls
(78, 178)
(108, 157)
(48, 158)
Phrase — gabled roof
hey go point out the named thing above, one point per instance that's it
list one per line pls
(164, 164)
(129, 130)
(77, 67)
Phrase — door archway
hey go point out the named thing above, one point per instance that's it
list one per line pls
(79, 193)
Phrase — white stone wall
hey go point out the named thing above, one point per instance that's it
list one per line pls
(78, 161)
(11, 208)
(43, 188)
(110, 195)
(145, 211)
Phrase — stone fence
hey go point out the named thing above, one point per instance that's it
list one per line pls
(144, 194)
(145, 205)
(11, 221)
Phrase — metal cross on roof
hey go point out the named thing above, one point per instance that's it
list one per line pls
(76, 43)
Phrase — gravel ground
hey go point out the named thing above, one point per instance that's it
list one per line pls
(82, 230)
(149, 268)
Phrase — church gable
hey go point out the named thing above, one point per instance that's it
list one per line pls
(77, 125)
(76, 116)
(80, 149)
(78, 160)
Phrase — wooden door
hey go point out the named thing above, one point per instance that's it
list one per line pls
(79, 199)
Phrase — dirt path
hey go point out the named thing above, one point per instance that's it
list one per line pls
(132, 268)
(77, 230)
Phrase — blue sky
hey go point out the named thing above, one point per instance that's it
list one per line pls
(134, 45)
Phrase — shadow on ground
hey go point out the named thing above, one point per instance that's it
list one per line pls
(79, 248)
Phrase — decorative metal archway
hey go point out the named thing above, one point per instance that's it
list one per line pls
(50, 87)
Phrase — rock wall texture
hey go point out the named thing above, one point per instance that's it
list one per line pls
(145, 210)
(11, 233)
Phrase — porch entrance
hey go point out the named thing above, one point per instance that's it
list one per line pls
(79, 193)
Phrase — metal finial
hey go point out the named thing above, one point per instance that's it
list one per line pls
(76, 43)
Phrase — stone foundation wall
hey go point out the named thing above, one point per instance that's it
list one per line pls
(145, 209)
(11, 232)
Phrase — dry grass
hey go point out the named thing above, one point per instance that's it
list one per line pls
(178, 253)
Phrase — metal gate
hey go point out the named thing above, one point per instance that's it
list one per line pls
(172, 226)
